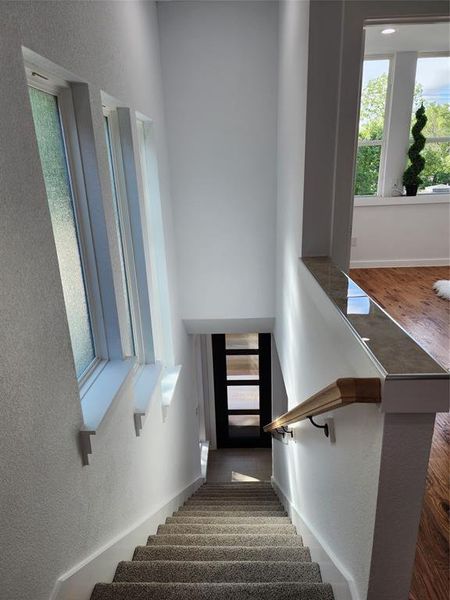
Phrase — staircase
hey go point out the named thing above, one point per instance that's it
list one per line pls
(230, 541)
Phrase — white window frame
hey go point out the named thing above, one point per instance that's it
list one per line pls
(111, 372)
(124, 237)
(382, 142)
(153, 225)
(160, 300)
(61, 90)
(87, 155)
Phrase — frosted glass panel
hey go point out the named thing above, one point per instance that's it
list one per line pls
(129, 349)
(243, 397)
(241, 341)
(59, 195)
(242, 366)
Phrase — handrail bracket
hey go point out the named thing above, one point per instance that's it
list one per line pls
(325, 427)
(284, 431)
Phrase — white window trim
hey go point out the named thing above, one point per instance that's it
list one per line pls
(125, 238)
(155, 249)
(106, 378)
(109, 376)
(163, 373)
(402, 200)
(155, 241)
(61, 90)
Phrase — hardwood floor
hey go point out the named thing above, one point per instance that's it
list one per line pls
(407, 295)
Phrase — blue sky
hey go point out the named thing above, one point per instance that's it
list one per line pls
(432, 73)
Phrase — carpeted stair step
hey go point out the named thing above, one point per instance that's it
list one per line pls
(230, 513)
(212, 591)
(250, 520)
(236, 485)
(209, 553)
(236, 499)
(225, 539)
(229, 541)
(217, 571)
(214, 528)
(224, 502)
(241, 507)
(231, 492)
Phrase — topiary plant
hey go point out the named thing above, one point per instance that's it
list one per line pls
(411, 179)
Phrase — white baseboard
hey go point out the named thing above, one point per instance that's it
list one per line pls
(332, 571)
(204, 453)
(402, 262)
(78, 582)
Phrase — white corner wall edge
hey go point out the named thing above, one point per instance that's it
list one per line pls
(331, 570)
(403, 262)
(78, 583)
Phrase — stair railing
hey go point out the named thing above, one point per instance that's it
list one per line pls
(343, 392)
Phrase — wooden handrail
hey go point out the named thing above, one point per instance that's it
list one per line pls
(342, 392)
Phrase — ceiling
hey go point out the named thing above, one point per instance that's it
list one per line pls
(429, 37)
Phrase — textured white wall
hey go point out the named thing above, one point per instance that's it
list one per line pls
(401, 234)
(219, 64)
(54, 512)
(315, 347)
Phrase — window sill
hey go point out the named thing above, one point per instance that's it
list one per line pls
(98, 394)
(402, 200)
(147, 380)
(169, 382)
(109, 380)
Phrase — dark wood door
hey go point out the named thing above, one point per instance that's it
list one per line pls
(242, 385)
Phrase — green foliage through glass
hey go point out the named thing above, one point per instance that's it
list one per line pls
(367, 169)
(371, 127)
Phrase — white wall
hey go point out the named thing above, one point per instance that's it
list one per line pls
(332, 487)
(54, 512)
(401, 232)
(315, 347)
(219, 64)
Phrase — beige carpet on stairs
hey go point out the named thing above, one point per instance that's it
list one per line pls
(230, 541)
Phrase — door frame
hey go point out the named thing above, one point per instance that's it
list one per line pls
(220, 391)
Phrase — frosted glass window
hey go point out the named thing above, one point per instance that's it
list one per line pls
(129, 349)
(243, 397)
(244, 366)
(241, 341)
(59, 194)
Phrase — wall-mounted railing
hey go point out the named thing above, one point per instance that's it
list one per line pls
(342, 392)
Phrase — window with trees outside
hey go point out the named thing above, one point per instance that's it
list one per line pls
(432, 88)
(371, 126)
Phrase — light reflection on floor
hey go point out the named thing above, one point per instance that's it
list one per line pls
(241, 477)
(240, 464)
